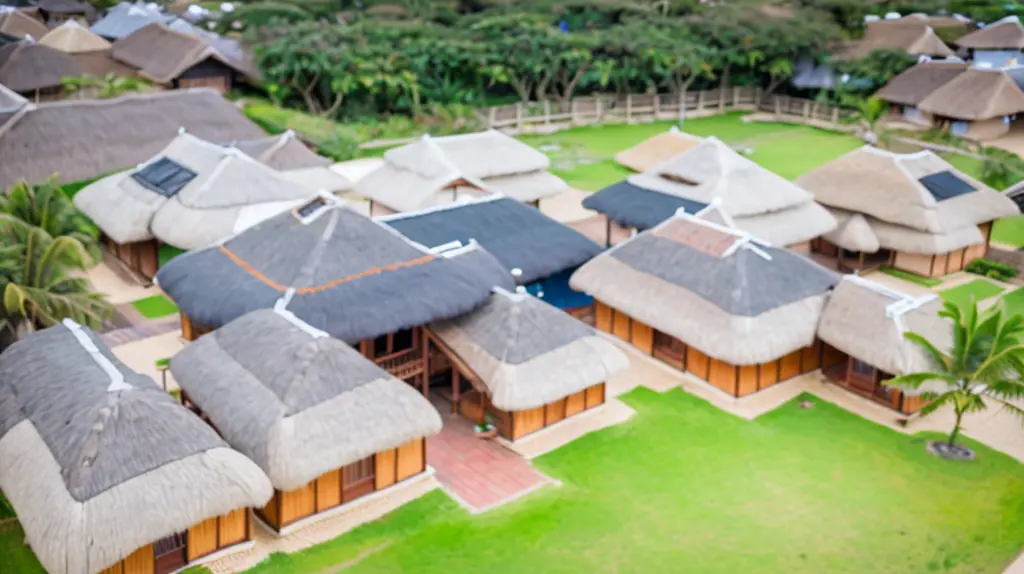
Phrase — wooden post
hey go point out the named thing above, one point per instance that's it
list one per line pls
(777, 106)
(547, 112)
(597, 109)
(721, 99)
(425, 361)
(681, 112)
(700, 100)
(629, 108)
(735, 96)
(807, 109)
(757, 97)
(519, 115)
(835, 117)
(657, 107)
(456, 387)
(607, 231)
(572, 111)
(490, 116)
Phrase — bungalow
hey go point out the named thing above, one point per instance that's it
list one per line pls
(19, 24)
(433, 171)
(713, 176)
(866, 322)
(979, 104)
(90, 51)
(343, 273)
(325, 424)
(906, 91)
(176, 59)
(190, 195)
(106, 472)
(714, 301)
(657, 149)
(294, 161)
(915, 212)
(126, 18)
(539, 252)
(911, 34)
(526, 364)
(36, 71)
(996, 45)
(84, 139)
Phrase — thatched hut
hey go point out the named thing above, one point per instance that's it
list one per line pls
(36, 71)
(911, 34)
(656, 150)
(325, 424)
(190, 195)
(979, 104)
(357, 279)
(90, 51)
(56, 12)
(996, 45)
(915, 212)
(712, 300)
(20, 25)
(295, 161)
(906, 91)
(543, 251)
(866, 322)
(528, 365)
(106, 471)
(433, 171)
(756, 200)
(126, 18)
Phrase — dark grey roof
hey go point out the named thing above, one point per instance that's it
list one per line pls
(633, 206)
(353, 278)
(99, 438)
(516, 234)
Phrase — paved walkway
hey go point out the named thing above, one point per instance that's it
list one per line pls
(142, 355)
(567, 207)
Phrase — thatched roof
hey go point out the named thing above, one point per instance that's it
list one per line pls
(713, 287)
(656, 149)
(756, 199)
(859, 232)
(99, 461)
(282, 152)
(26, 67)
(20, 25)
(853, 232)
(351, 276)
(1005, 34)
(918, 82)
(10, 102)
(527, 353)
(73, 38)
(124, 19)
(894, 188)
(867, 321)
(162, 54)
(910, 34)
(294, 400)
(517, 235)
(226, 193)
(978, 94)
(413, 175)
(67, 7)
(84, 139)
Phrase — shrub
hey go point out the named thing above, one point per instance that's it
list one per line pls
(993, 269)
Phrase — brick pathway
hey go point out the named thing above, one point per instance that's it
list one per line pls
(480, 474)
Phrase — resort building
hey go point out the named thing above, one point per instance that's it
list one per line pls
(980, 103)
(106, 471)
(19, 25)
(90, 51)
(656, 150)
(524, 364)
(713, 175)
(36, 71)
(56, 12)
(126, 18)
(996, 45)
(714, 301)
(914, 212)
(295, 161)
(906, 91)
(326, 425)
(911, 34)
(434, 171)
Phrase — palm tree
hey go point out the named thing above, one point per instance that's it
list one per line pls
(984, 366)
(47, 206)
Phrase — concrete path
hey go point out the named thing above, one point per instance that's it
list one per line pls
(112, 283)
(142, 355)
(567, 207)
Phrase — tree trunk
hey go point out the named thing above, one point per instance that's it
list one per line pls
(956, 427)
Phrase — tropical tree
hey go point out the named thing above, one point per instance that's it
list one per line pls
(872, 111)
(985, 365)
(46, 206)
(109, 86)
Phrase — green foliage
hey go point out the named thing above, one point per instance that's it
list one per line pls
(110, 86)
(994, 269)
(6, 511)
(913, 278)
(870, 73)
(47, 206)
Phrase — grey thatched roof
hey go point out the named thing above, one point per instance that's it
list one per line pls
(10, 102)
(84, 139)
(656, 149)
(517, 235)
(125, 18)
(1004, 34)
(73, 38)
(20, 25)
(713, 287)
(26, 67)
(162, 54)
(919, 81)
(632, 206)
(282, 152)
(528, 353)
(352, 277)
(296, 401)
(92, 450)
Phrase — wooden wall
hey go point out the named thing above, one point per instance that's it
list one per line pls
(944, 263)
(533, 420)
(190, 331)
(142, 256)
(139, 562)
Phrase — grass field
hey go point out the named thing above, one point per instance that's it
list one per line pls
(908, 276)
(155, 307)
(979, 289)
(1009, 231)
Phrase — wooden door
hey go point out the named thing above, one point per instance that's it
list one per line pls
(669, 349)
(170, 553)
(862, 376)
(357, 479)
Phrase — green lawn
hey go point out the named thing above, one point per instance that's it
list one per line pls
(979, 288)
(155, 307)
(912, 277)
(1009, 231)
(167, 252)
(1014, 301)
(13, 552)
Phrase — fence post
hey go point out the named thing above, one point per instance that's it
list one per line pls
(835, 117)
(721, 100)
(757, 98)
(778, 111)
(547, 112)
(519, 116)
(681, 112)
(736, 96)
(629, 108)
(807, 109)
(700, 100)
(657, 107)
(598, 109)
(572, 111)
(490, 116)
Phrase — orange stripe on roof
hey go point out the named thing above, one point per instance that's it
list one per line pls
(252, 270)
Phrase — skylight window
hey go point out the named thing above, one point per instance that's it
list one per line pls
(164, 176)
(945, 185)
(311, 208)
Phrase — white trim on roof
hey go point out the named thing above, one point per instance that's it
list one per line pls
(493, 196)
(117, 382)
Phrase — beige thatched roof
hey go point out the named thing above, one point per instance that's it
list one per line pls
(26, 67)
(910, 34)
(162, 54)
(868, 321)
(1005, 34)
(978, 94)
(713, 287)
(73, 38)
(918, 82)
(859, 232)
(656, 149)
(20, 25)
(294, 400)
(853, 233)
(99, 461)
(527, 353)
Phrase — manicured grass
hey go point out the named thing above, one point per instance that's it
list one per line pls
(155, 307)
(167, 252)
(5, 508)
(1014, 301)
(979, 289)
(1009, 231)
(908, 276)
(13, 552)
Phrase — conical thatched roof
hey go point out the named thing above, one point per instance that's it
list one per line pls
(282, 152)
(92, 452)
(910, 34)
(860, 232)
(296, 401)
(20, 25)
(978, 94)
(1005, 34)
(918, 82)
(73, 38)
(528, 353)
(853, 233)
(26, 67)
(161, 54)
(713, 287)
(349, 276)
(656, 149)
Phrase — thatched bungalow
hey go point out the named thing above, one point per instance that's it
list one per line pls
(866, 322)
(296, 162)
(996, 45)
(528, 365)
(755, 199)
(979, 104)
(915, 212)
(181, 60)
(21, 25)
(434, 171)
(90, 51)
(656, 150)
(83, 139)
(126, 18)
(190, 195)
(714, 301)
(906, 91)
(343, 273)
(543, 252)
(336, 429)
(56, 12)
(911, 34)
(106, 471)
(35, 71)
